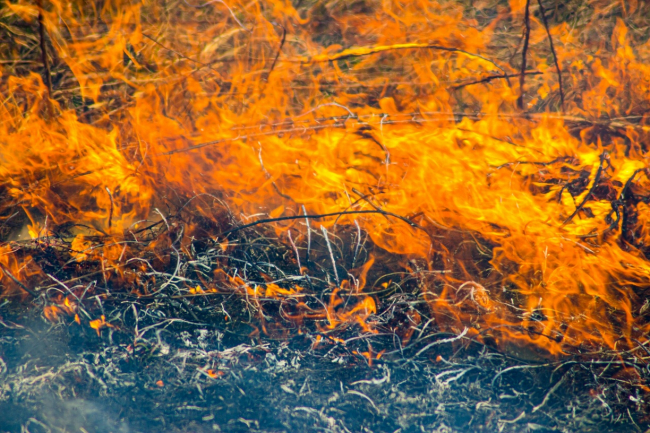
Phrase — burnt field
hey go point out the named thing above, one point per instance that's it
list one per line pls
(200, 363)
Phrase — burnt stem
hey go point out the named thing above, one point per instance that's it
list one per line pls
(110, 213)
(550, 42)
(522, 74)
(17, 281)
(46, 63)
(277, 54)
(599, 172)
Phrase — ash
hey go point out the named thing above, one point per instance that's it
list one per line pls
(191, 378)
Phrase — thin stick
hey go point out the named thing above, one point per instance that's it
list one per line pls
(277, 54)
(329, 248)
(110, 213)
(548, 394)
(295, 249)
(15, 280)
(550, 41)
(304, 211)
(319, 216)
(446, 340)
(522, 75)
(603, 156)
(365, 51)
(205, 65)
(494, 77)
(356, 249)
(46, 64)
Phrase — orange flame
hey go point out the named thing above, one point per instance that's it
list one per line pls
(528, 226)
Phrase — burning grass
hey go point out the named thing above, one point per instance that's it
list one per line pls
(468, 172)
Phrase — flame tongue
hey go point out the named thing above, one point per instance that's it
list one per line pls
(524, 226)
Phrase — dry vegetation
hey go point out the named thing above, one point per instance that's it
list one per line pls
(203, 203)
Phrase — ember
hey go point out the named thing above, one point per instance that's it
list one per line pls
(217, 187)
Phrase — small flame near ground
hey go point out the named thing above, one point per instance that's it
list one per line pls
(518, 199)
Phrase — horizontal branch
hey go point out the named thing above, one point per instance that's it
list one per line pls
(494, 77)
(366, 51)
(320, 216)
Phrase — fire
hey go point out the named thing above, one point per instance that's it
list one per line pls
(528, 225)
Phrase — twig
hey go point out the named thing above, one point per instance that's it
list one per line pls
(234, 17)
(46, 64)
(550, 41)
(548, 394)
(639, 429)
(494, 77)
(360, 394)
(329, 248)
(366, 51)
(110, 213)
(72, 280)
(621, 202)
(304, 211)
(269, 177)
(603, 156)
(616, 204)
(277, 54)
(15, 280)
(205, 65)
(319, 216)
(358, 246)
(522, 74)
(446, 340)
(295, 249)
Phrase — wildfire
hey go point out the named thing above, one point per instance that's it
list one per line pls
(518, 201)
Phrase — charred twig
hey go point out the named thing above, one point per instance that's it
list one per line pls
(494, 77)
(621, 202)
(599, 173)
(367, 199)
(17, 281)
(548, 394)
(295, 249)
(277, 54)
(522, 74)
(539, 163)
(319, 216)
(550, 42)
(329, 248)
(304, 211)
(110, 213)
(92, 274)
(46, 63)
(437, 342)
